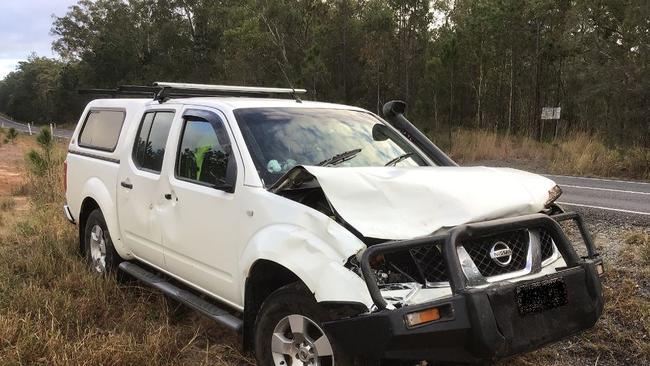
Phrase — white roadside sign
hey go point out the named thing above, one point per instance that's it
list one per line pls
(551, 112)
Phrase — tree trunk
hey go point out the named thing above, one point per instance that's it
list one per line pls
(451, 104)
(537, 110)
(512, 93)
(435, 111)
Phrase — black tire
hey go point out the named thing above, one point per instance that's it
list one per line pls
(112, 259)
(289, 300)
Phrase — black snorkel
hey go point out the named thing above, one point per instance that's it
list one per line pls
(394, 114)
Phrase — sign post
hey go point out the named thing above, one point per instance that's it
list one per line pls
(552, 113)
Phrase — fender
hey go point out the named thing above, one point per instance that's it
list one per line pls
(95, 189)
(310, 258)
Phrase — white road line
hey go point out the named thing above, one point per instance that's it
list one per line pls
(604, 189)
(600, 179)
(605, 208)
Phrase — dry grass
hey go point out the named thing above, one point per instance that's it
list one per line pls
(53, 311)
(622, 335)
(640, 242)
(577, 154)
(7, 203)
(582, 154)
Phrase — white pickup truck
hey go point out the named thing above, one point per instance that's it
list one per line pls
(324, 233)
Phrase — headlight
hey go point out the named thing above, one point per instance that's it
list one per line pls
(553, 195)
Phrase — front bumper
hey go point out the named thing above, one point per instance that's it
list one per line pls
(482, 323)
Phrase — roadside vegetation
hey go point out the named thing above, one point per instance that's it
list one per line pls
(54, 311)
(576, 154)
(10, 135)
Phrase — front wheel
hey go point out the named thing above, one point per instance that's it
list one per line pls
(288, 331)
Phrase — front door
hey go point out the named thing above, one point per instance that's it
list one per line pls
(141, 188)
(200, 223)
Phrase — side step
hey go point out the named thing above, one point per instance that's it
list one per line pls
(187, 298)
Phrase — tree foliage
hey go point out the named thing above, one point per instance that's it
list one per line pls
(488, 64)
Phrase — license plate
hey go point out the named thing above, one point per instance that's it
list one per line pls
(541, 296)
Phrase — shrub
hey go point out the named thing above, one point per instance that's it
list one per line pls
(12, 134)
(44, 172)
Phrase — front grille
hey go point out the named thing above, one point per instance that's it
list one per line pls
(546, 243)
(479, 250)
(430, 262)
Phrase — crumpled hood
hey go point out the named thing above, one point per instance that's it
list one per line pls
(403, 203)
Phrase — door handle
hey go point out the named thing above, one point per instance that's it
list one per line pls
(126, 185)
(168, 196)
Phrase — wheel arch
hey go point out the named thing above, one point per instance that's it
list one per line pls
(88, 205)
(264, 278)
(284, 252)
(97, 196)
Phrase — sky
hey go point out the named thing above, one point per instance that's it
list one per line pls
(25, 28)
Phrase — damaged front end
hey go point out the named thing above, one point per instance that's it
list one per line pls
(496, 278)
(461, 307)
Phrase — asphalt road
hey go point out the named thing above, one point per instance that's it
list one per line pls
(22, 127)
(606, 197)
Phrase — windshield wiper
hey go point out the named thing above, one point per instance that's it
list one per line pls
(393, 162)
(338, 159)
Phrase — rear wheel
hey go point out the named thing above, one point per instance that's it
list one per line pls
(288, 331)
(100, 253)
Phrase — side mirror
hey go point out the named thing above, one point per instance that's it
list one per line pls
(231, 173)
(379, 132)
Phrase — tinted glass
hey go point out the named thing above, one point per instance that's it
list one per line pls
(204, 152)
(149, 149)
(143, 135)
(102, 130)
(281, 138)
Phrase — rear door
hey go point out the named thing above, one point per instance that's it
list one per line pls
(200, 223)
(141, 187)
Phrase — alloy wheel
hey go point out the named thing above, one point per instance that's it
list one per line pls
(98, 249)
(298, 340)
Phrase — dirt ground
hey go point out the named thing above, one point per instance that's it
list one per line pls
(12, 177)
(12, 159)
(621, 336)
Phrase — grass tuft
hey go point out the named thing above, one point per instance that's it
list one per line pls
(7, 203)
(640, 241)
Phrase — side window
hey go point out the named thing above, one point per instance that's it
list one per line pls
(101, 129)
(149, 148)
(203, 153)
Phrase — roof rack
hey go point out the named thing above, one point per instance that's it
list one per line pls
(162, 91)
